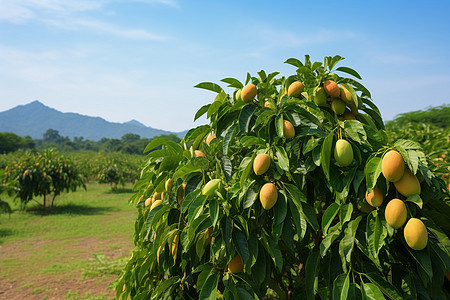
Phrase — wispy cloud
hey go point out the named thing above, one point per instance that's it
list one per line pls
(69, 15)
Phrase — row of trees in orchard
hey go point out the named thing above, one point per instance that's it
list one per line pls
(129, 143)
(293, 190)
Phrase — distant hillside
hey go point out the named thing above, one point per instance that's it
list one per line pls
(35, 118)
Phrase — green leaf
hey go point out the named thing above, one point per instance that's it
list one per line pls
(310, 215)
(196, 165)
(295, 193)
(312, 269)
(248, 141)
(348, 241)
(422, 258)
(371, 292)
(376, 233)
(228, 134)
(209, 86)
(372, 171)
(299, 220)
(295, 62)
(340, 287)
(384, 286)
(355, 130)
(408, 144)
(279, 213)
(327, 241)
(227, 167)
(161, 141)
(218, 102)
(194, 204)
(325, 154)
(345, 213)
(279, 126)
(250, 198)
(205, 271)
(246, 167)
(241, 244)
(416, 200)
(243, 294)
(413, 161)
(232, 82)
(166, 284)
(245, 117)
(328, 216)
(209, 289)
(277, 255)
(201, 111)
(409, 288)
(349, 71)
(214, 211)
(283, 160)
(334, 61)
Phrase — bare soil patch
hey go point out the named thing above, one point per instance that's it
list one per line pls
(35, 277)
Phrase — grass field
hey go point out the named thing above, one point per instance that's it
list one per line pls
(73, 251)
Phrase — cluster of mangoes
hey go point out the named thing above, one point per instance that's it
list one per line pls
(406, 183)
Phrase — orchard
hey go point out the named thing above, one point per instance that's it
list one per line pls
(292, 191)
(43, 174)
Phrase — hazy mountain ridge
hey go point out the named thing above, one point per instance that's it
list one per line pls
(35, 118)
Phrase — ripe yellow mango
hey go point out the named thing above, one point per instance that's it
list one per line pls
(288, 129)
(295, 89)
(148, 201)
(346, 96)
(415, 234)
(331, 88)
(392, 166)
(375, 197)
(261, 163)
(408, 185)
(236, 265)
(395, 213)
(268, 195)
(343, 153)
(249, 92)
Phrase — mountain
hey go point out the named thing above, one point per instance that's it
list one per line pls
(35, 118)
(135, 122)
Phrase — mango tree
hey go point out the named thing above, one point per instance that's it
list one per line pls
(291, 191)
(45, 174)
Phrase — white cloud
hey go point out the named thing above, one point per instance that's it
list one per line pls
(68, 15)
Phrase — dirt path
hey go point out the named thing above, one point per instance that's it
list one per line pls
(31, 276)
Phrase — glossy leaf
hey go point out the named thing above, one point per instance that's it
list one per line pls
(209, 86)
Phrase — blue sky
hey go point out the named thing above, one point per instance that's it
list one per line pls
(124, 60)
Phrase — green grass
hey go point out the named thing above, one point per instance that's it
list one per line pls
(78, 214)
(87, 235)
